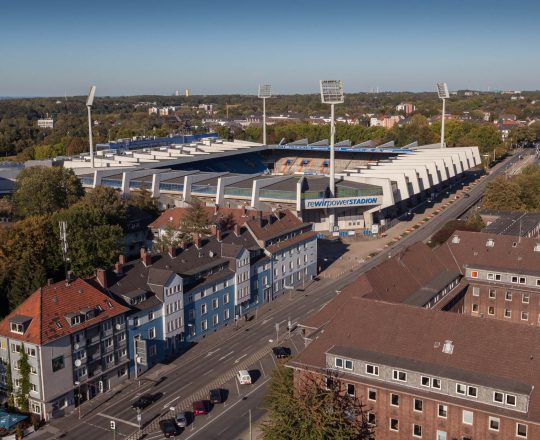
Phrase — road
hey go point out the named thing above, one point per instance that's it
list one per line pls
(222, 352)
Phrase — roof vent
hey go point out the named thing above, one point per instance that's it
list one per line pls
(436, 344)
(537, 247)
(448, 347)
(490, 243)
(211, 254)
(514, 244)
(455, 239)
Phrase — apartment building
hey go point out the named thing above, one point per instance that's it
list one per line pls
(76, 340)
(502, 274)
(428, 374)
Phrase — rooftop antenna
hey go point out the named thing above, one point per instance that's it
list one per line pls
(64, 246)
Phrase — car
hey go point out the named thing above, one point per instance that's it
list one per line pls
(168, 428)
(144, 401)
(244, 377)
(466, 195)
(200, 407)
(181, 419)
(281, 352)
(217, 395)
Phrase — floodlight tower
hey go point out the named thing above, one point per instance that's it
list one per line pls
(265, 91)
(442, 89)
(89, 103)
(332, 93)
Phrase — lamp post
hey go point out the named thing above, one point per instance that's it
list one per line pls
(78, 385)
(442, 90)
(89, 103)
(332, 93)
(265, 91)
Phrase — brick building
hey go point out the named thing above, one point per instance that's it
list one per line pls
(428, 374)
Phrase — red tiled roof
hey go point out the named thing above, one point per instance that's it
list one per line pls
(50, 304)
(284, 221)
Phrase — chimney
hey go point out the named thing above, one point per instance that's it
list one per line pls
(172, 251)
(196, 239)
(146, 258)
(214, 230)
(69, 277)
(237, 229)
(122, 259)
(49, 281)
(119, 268)
(101, 275)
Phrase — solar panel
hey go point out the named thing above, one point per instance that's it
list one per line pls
(332, 91)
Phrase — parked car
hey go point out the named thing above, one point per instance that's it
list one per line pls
(244, 377)
(217, 395)
(181, 419)
(281, 352)
(200, 407)
(466, 195)
(168, 428)
(145, 400)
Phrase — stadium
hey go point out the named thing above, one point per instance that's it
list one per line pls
(374, 183)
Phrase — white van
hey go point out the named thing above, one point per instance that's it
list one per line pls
(243, 377)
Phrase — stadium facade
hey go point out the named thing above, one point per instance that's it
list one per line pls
(374, 184)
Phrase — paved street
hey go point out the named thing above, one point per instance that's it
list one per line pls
(224, 351)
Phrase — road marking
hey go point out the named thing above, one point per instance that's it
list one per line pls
(118, 420)
(310, 311)
(208, 372)
(227, 355)
(265, 321)
(167, 405)
(241, 357)
(281, 322)
(210, 353)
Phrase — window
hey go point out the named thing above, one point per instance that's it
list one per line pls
(394, 399)
(522, 280)
(394, 425)
(226, 298)
(467, 417)
(436, 383)
(35, 408)
(226, 314)
(525, 298)
(371, 418)
(476, 291)
(507, 313)
(152, 351)
(472, 391)
(490, 276)
(30, 351)
(474, 274)
(461, 389)
(511, 400)
(418, 405)
(109, 359)
(494, 423)
(372, 394)
(204, 325)
(372, 369)
(417, 431)
(498, 397)
(3, 343)
(348, 365)
(475, 308)
(135, 322)
(15, 348)
(215, 303)
(57, 363)
(442, 410)
(339, 363)
(215, 320)
(424, 381)
(152, 333)
(491, 310)
(204, 309)
(350, 389)
(508, 296)
(521, 430)
(492, 293)
(151, 316)
(524, 316)
(399, 375)
(17, 328)
(441, 435)
(108, 342)
(514, 279)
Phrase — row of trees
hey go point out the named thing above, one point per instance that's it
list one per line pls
(30, 248)
(516, 193)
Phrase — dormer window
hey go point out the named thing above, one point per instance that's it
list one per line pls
(17, 328)
(75, 320)
(18, 324)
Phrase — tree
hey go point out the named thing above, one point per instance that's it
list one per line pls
(29, 276)
(313, 407)
(108, 201)
(143, 200)
(504, 194)
(170, 236)
(24, 381)
(9, 387)
(196, 218)
(92, 242)
(45, 190)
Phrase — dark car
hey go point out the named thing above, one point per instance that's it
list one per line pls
(200, 407)
(217, 395)
(168, 428)
(182, 419)
(145, 400)
(281, 352)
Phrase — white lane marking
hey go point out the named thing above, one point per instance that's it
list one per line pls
(241, 357)
(227, 355)
(265, 321)
(281, 322)
(167, 405)
(116, 419)
(210, 353)
(208, 372)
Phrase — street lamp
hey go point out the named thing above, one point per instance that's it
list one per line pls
(332, 93)
(442, 90)
(89, 102)
(265, 91)
(78, 385)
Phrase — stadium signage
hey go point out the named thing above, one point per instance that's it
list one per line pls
(343, 149)
(341, 202)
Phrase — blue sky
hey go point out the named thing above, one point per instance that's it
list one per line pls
(49, 48)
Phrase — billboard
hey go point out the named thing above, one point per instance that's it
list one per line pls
(343, 202)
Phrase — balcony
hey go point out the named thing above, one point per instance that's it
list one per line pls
(107, 349)
(93, 340)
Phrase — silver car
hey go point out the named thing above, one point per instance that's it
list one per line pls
(181, 419)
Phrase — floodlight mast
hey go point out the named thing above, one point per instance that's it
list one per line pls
(265, 91)
(332, 93)
(89, 103)
(442, 90)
